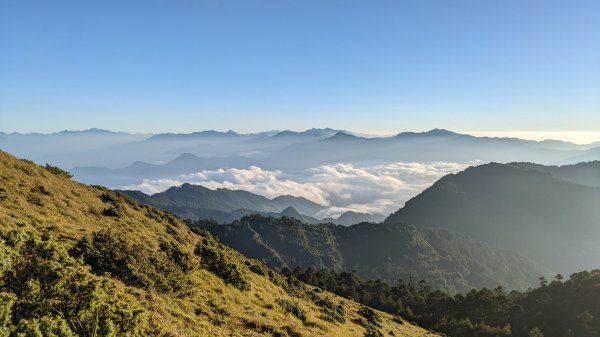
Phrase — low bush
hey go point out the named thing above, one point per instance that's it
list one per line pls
(135, 265)
(110, 211)
(371, 316)
(45, 292)
(330, 311)
(35, 200)
(214, 260)
(184, 260)
(257, 267)
(58, 171)
(40, 189)
(291, 308)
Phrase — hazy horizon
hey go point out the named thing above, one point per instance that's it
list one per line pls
(576, 137)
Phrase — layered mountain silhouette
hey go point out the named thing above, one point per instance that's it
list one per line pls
(104, 157)
(224, 206)
(225, 200)
(551, 214)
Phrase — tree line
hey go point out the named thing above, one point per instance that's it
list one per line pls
(556, 308)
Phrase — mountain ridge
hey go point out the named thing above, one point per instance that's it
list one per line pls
(517, 207)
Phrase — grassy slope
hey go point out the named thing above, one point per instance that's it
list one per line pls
(73, 210)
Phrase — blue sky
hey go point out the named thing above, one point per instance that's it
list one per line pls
(367, 66)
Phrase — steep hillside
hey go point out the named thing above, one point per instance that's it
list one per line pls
(81, 260)
(385, 251)
(555, 222)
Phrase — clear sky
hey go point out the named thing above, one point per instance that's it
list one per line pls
(366, 66)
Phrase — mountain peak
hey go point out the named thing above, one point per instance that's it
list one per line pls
(341, 135)
(185, 156)
(88, 131)
(290, 212)
(430, 133)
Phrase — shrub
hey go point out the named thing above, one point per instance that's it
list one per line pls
(45, 292)
(372, 332)
(135, 265)
(331, 312)
(111, 211)
(371, 316)
(108, 198)
(291, 308)
(215, 261)
(257, 267)
(184, 260)
(34, 199)
(40, 189)
(58, 171)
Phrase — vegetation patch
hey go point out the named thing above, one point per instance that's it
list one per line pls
(292, 308)
(133, 264)
(257, 267)
(45, 292)
(371, 316)
(40, 189)
(330, 311)
(58, 171)
(184, 260)
(265, 329)
(214, 260)
(35, 200)
(111, 212)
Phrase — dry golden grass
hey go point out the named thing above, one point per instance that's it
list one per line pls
(32, 195)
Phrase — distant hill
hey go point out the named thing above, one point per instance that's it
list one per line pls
(525, 207)
(78, 260)
(224, 206)
(386, 251)
(350, 218)
(224, 200)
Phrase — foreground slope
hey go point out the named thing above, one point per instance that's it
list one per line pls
(518, 207)
(81, 260)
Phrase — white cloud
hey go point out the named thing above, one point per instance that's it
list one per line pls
(373, 189)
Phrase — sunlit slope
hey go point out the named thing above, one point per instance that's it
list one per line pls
(40, 204)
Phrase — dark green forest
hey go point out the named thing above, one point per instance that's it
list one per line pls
(556, 308)
(449, 261)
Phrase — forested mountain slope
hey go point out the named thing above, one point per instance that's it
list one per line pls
(517, 207)
(445, 259)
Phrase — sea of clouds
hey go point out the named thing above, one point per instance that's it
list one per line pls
(342, 187)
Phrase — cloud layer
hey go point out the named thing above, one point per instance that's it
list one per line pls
(342, 187)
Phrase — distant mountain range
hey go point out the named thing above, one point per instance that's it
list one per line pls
(117, 159)
(224, 206)
(548, 213)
